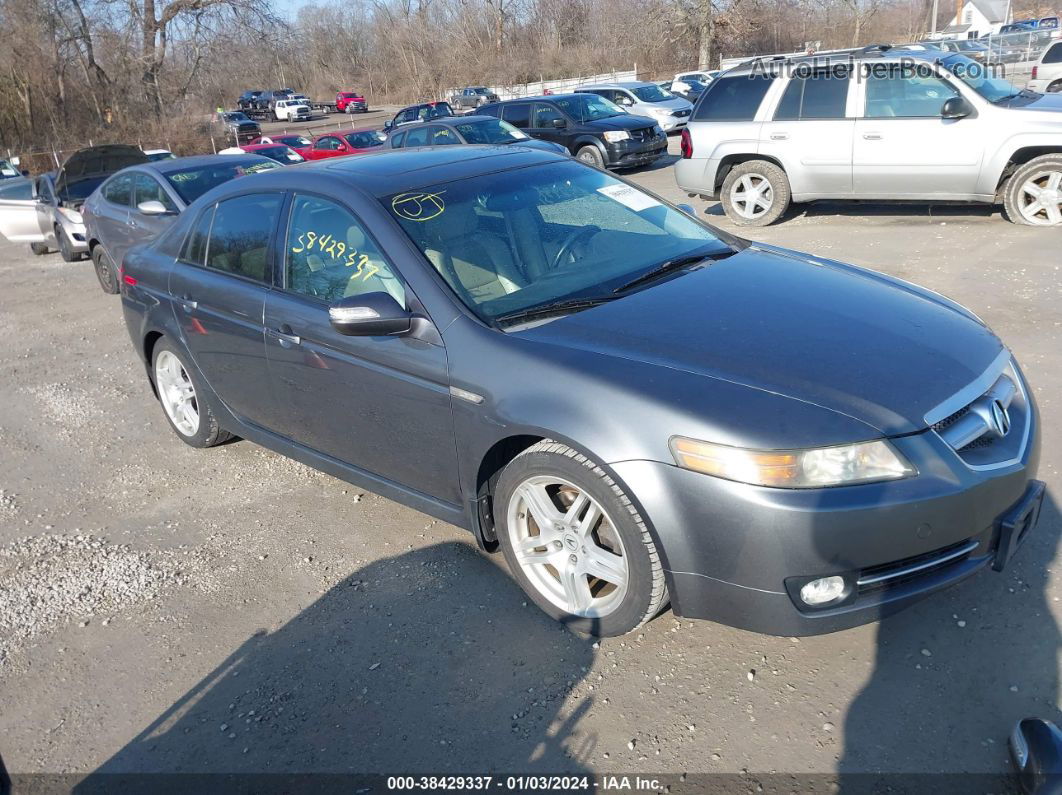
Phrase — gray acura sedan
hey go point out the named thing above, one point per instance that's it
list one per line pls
(637, 408)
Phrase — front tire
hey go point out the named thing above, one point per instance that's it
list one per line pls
(1033, 195)
(575, 542)
(181, 396)
(39, 248)
(66, 247)
(105, 271)
(755, 193)
(591, 155)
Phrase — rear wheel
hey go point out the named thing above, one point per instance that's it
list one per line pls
(1055, 87)
(105, 271)
(755, 193)
(181, 397)
(576, 543)
(591, 155)
(1033, 195)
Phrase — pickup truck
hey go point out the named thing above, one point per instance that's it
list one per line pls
(291, 110)
(351, 102)
(472, 97)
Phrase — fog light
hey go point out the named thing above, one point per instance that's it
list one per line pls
(822, 590)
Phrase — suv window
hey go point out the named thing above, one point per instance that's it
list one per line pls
(119, 190)
(1054, 55)
(822, 95)
(148, 189)
(733, 98)
(518, 115)
(406, 115)
(330, 255)
(239, 238)
(905, 96)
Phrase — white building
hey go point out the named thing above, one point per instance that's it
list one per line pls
(978, 18)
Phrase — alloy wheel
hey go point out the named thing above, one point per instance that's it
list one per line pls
(1040, 198)
(177, 393)
(568, 547)
(752, 195)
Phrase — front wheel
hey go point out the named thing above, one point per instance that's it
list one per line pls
(66, 247)
(590, 155)
(755, 193)
(1033, 195)
(180, 394)
(576, 543)
(39, 248)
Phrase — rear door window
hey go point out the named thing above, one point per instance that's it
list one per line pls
(735, 98)
(518, 115)
(240, 235)
(441, 136)
(396, 141)
(822, 95)
(417, 137)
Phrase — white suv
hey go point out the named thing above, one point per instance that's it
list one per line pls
(1047, 74)
(873, 124)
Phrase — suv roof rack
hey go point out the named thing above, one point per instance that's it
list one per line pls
(874, 48)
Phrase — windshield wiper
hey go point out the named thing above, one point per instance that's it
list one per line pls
(668, 266)
(555, 308)
(1004, 99)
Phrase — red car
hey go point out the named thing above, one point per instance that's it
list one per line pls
(300, 143)
(282, 153)
(351, 102)
(342, 142)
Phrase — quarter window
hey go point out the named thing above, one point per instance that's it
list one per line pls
(195, 246)
(239, 238)
(331, 256)
(823, 95)
(906, 96)
(119, 190)
(733, 98)
(148, 189)
(518, 115)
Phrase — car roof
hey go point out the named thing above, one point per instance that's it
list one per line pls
(340, 133)
(399, 170)
(183, 163)
(876, 52)
(542, 98)
(622, 84)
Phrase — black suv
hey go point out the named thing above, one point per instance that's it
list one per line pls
(590, 127)
(423, 111)
(248, 100)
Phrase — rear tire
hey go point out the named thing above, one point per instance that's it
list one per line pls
(597, 569)
(182, 398)
(1055, 87)
(1033, 194)
(755, 193)
(105, 271)
(590, 155)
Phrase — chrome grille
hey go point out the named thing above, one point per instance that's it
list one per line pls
(644, 134)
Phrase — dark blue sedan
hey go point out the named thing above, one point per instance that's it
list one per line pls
(637, 408)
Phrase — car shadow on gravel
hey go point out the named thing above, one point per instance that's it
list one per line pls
(429, 662)
(953, 675)
(901, 212)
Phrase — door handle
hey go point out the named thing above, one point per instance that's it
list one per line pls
(872, 136)
(779, 136)
(187, 304)
(284, 336)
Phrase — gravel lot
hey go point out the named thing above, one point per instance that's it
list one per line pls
(167, 609)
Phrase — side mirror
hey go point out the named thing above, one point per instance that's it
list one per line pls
(560, 124)
(688, 209)
(152, 207)
(369, 315)
(955, 108)
(388, 124)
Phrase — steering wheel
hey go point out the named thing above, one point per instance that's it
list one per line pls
(570, 241)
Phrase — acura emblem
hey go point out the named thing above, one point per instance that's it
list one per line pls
(1000, 418)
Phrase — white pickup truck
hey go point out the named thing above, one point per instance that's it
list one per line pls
(291, 110)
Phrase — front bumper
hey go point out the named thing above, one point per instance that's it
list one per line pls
(355, 107)
(738, 554)
(631, 153)
(672, 123)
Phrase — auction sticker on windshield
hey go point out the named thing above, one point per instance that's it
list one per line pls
(629, 197)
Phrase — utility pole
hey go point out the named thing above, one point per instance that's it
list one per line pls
(933, 18)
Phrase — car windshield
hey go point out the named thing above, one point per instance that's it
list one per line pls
(521, 239)
(350, 95)
(490, 131)
(366, 139)
(653, 93)
(191, 183)
(480, 90)
(588, 107)
(280, 153)
(293, 140)
(980, 78)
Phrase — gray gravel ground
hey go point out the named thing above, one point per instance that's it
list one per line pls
(168, 609)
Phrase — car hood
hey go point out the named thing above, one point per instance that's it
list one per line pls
(625, 121)
(857, 342)
(534, 143)
(97, 161)
(1047, 103)
(678, 103)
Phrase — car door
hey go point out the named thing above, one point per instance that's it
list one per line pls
(219, 284)
(18, 212)
(112, 215)
(327, 146)
(380, 404)
(147, 227)
(904, 149)
(543, 126)
(45, 208)
(811, 133)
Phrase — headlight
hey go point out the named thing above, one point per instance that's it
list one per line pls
(614, 136)
(863, 462)
(660, 111)
(71, 215)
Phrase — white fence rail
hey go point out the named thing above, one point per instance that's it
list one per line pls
(563, 85)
